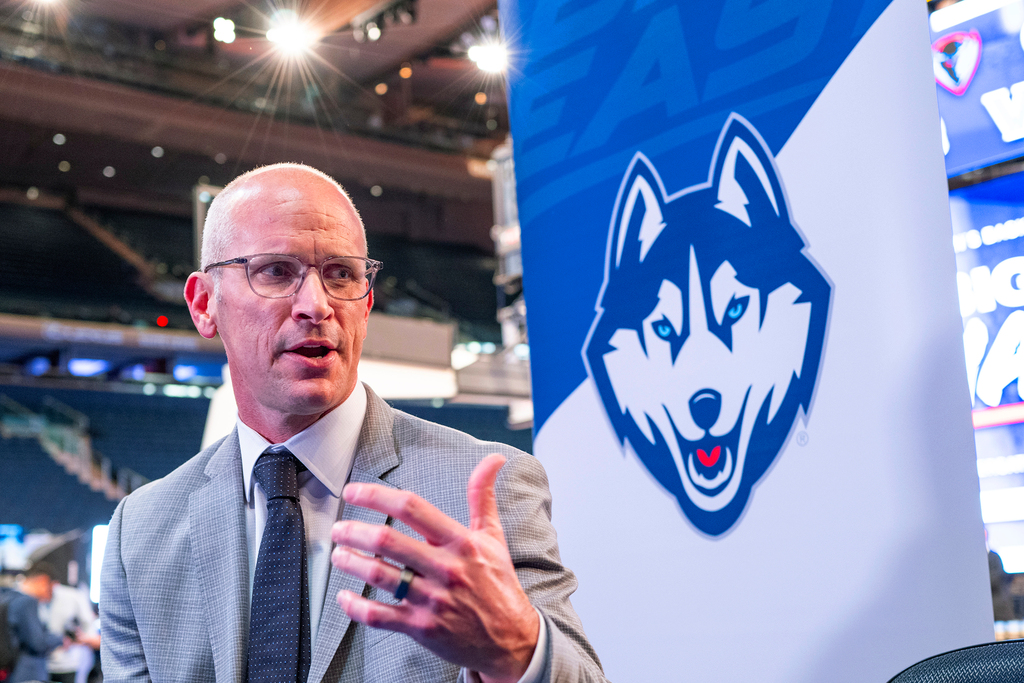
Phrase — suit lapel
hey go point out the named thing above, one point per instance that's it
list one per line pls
(217, 532)
(375, 456)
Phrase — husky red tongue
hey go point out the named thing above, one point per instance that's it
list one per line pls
(709, 460)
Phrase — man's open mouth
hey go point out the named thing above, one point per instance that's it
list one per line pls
(311, 351)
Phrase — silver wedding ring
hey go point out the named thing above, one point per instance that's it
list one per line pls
(404, 579)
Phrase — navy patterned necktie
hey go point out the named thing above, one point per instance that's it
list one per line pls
(279, 649)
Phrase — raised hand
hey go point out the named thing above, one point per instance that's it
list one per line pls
(465, 603)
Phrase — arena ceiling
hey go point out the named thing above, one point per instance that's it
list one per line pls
(145, 89)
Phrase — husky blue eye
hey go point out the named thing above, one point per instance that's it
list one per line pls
(737, 307)
(663, 328)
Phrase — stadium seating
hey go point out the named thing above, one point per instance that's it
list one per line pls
(43, 252)
(149, 434)
(51, 267)
(487, 423)
(158, 238)
(154, 434)
(441, 276)
(39, 494)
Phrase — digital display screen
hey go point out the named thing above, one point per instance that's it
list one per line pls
(988, 238)
(978, 60)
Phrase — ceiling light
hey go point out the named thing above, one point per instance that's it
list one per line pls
(223, 30)
(373, 31)
(480, 98)
(109, 171)
(64, 166)
(59, 139)
(381, 88)
(157, 151)
(490, 57)
(290, 34)
(184, 373)
(87, 367)
(39, 365)
(405, 71)
(406, 14)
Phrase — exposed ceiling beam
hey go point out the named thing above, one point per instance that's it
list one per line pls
(327, 16)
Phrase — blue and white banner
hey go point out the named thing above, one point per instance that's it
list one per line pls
(748, 377)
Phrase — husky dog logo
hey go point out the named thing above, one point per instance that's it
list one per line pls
(710, 326)
(955, 58)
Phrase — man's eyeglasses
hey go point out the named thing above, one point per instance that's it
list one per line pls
(276, 276)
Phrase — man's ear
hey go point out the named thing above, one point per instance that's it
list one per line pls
(202, 303)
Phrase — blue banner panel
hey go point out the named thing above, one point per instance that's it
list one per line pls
(593, 82)
(747, 360)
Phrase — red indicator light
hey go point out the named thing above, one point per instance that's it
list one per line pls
(162, 321)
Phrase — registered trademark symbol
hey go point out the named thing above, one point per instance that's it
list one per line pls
(802, 438)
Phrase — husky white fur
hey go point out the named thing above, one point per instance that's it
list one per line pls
(710, 326)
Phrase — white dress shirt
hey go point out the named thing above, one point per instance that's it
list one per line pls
(327, 448)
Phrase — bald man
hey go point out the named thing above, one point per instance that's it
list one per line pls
(329, 537)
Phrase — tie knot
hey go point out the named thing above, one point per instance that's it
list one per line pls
(275, 470)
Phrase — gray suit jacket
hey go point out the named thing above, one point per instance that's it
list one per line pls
(175, 607)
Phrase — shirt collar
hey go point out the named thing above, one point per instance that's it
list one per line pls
(327, 447)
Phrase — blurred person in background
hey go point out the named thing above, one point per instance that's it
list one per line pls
(66, 612)
(70, 613)
(30, 636)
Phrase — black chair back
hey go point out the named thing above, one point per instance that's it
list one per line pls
(1001, 662)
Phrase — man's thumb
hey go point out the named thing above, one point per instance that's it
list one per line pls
(483, 508)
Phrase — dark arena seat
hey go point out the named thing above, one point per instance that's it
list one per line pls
(487, 423)
(39, 494)
(43, 252)
(1001, 662)
(460, 277)
(51, 267)
(160, 238)
(148, 434)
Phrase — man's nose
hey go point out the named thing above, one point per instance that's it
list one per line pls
(311, 301)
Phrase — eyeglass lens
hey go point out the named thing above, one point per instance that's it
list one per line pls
(274, 276)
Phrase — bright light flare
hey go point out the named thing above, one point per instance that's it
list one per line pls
(289, 34)
(490, 57)
(223, 30)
